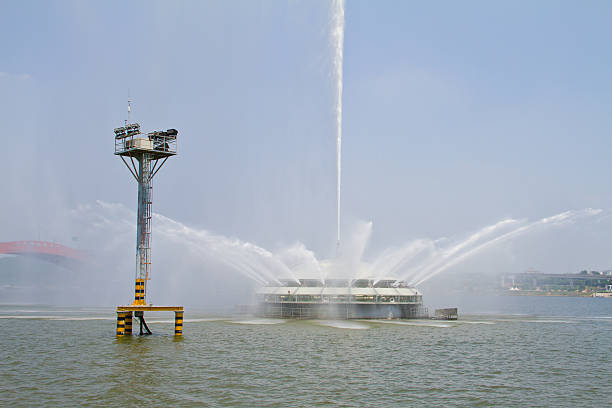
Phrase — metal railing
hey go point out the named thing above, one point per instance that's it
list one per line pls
(128, 138)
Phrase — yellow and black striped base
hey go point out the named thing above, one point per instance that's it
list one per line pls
(128, 323)
(121, 323)
(178, 323)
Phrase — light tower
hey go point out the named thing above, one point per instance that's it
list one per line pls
(150, 151)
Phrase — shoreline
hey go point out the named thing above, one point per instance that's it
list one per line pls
(548, 293)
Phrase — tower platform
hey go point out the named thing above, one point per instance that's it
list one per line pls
(149, 308)
(124, 318)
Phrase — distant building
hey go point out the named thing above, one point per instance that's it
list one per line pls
(557, 282)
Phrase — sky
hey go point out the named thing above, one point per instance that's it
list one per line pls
(456, 115)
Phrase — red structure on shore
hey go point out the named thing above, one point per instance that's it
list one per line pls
(47, 251)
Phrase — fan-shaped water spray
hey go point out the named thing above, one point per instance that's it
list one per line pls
(415, 262)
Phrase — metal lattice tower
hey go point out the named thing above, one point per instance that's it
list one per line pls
(147, 150)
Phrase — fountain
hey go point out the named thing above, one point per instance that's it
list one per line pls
(295, 283)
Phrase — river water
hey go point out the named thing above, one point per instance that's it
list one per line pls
(527, 352)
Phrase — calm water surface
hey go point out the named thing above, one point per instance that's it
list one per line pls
(530, 352)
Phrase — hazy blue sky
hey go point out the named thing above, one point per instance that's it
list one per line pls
(457, 114)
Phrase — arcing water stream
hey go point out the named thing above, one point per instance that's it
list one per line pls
(486, 238)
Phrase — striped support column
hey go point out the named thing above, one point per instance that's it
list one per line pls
(128, 323)
(178, 323)
(120, 323)
(139, 292)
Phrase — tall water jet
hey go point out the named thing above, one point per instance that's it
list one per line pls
(337, 44)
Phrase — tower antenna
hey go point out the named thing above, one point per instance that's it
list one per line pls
(129, 108)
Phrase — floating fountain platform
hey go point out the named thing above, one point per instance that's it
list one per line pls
(340, 299)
